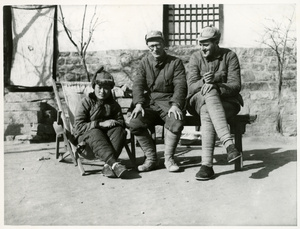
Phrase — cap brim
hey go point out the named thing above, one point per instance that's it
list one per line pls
(154, 37)
(202, 38)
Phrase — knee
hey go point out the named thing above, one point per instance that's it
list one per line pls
(212, 93)
(174, 125)
(92, 135)
(136, 126)
(121, 132)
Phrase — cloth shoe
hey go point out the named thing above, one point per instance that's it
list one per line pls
(171, 165)
(232, 153)
(171, 141)
(108, 172)
(119, 170)
(205, 173)
(147, 166)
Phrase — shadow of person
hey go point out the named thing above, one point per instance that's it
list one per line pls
(269, 160)
(131, 174)
(272, 159)
(180, 158)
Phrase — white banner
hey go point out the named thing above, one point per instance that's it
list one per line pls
(32, 61)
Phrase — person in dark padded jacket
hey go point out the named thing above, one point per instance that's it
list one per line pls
(214, 83)
(159, 95)
(99, 123)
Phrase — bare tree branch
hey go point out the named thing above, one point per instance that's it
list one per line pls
(83, 45)
(68, 32)
(277, 37)
(82, 29)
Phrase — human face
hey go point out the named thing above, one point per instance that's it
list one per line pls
(208, 48)
(102, 91)
(156, 48)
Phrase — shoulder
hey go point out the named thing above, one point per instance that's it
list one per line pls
(196, 53)
(227, 52)
(196, 56)
(146, 61)
(110, 100)
(147, 57)
(174, 59)
(90, 99)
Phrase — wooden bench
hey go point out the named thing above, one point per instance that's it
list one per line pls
(237, 128)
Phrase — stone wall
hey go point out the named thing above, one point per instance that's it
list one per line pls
(259, 72)
(29, 115)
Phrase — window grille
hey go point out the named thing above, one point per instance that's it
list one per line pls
(182, 23)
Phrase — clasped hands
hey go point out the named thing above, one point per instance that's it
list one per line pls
(208, 83)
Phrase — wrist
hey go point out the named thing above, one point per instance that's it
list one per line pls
(138, 105)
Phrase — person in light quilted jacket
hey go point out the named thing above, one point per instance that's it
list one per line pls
(214, 83)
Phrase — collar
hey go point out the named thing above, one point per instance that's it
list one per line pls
(158, 63)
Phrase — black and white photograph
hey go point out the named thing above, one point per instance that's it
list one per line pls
(149, 113)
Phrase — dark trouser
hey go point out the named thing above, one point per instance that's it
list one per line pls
(107, 144)
(140, 125)
(155, 117)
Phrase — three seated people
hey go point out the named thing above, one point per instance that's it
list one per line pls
(162, 93)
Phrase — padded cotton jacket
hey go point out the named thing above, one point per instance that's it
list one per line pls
(160, 83)
(91, 111)
(227, 74)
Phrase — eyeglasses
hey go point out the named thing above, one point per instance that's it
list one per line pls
(151, 47)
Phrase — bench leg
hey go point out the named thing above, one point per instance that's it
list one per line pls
(57, 145)
(79, 164)
(132, 145)
(238, 144)
(59, 133)
(131, 156)
(69, 148)
(153, 135)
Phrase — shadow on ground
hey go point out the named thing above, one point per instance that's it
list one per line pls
(268, 160)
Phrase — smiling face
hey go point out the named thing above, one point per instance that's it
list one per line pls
(156, 47)
(102, 91)
(208, 48)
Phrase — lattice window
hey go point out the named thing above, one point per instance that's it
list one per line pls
(182, 23)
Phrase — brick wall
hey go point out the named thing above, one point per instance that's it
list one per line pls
(28, 115)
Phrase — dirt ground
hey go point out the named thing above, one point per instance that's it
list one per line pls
(41, 191)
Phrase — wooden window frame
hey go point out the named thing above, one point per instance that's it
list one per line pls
(193, 16)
